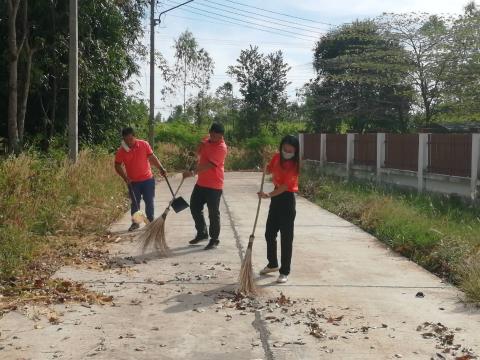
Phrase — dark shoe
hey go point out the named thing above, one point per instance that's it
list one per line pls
(134, 227)
(198, 238)
(212, 244)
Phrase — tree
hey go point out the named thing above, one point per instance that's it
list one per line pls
(263, 82)
(193, 65)
(360, 81)
(461, 95)
(14, 49)
(427, 39)
(110, 34)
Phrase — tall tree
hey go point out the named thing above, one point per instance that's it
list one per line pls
(263, 82)
(193, 65)
(461, 95)
(427, 39)
(110, 34)
(360, 81)
(14, 49)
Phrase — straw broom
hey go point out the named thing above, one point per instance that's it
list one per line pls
(246, 279)
(154, 233)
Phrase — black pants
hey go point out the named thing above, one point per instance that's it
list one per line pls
(281, 217)
(211, 197)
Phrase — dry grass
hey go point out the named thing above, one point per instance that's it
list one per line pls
(51, 211)
(471, 278)
(438, 233)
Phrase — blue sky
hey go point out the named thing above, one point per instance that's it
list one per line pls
(207, 20)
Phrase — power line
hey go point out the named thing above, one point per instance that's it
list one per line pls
(231, 42)
(278, 13)
(240, 20)
(229, 23)
(319, 31)
(266, 16)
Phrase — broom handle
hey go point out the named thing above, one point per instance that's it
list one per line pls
(176, 192)
(259, 201)
(169, 186)
(132, 192)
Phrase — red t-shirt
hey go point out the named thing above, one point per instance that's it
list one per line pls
(136, 161)
(213, 153)
(286, 174)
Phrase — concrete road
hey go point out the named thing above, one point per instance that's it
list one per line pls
(348, 297)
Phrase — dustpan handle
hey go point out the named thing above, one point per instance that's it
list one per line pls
(259, 200)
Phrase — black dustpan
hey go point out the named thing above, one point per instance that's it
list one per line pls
(178, 204)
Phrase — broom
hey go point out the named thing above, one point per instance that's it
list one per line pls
(138, 217)
(246, 279)
(154, 233)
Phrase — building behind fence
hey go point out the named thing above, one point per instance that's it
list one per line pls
(444, 163)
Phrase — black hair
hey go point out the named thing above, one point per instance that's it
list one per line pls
(217, 128)
(128, 131)
(290, 140)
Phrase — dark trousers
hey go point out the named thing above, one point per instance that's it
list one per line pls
(143, 190)
(281, 217)
(211, 197)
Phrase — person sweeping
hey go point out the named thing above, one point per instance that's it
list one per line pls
(133, 162)
(208, 189)
(284, 167)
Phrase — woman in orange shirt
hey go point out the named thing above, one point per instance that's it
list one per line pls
(284, 167)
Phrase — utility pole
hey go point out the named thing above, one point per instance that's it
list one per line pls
(151, 135)
(73, 83)
(153, 23)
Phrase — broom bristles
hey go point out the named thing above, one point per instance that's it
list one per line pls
(154, 234)
(246, 278)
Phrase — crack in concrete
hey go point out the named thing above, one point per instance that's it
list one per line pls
(258, 324)
(238, 242)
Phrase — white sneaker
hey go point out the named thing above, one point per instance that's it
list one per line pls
(267, 270)
(282, 279)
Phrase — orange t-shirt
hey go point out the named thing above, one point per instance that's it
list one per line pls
(213, 153)
(136, 161)
(286, 174)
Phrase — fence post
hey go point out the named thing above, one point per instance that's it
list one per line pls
(475, 165)
(422, 160)
(380, 154)
(350, 152)
(323, 149)
(301, 140)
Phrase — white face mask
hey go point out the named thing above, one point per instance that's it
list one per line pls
(287, 155)
(125, 146)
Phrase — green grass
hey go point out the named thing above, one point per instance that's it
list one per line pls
(46, 202)
(441, 234)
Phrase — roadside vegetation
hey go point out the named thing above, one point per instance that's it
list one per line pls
(441, 234)
(51, 211)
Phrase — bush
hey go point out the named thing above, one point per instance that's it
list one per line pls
(184, 135)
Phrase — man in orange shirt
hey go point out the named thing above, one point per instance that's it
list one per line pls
(132, 163)
(208, 189)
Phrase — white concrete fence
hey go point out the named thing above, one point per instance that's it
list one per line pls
(424, 179)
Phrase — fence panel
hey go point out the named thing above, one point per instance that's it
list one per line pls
(450, 154)
(365, 152)
(311, 146)
(401, 151)
(337, 148)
